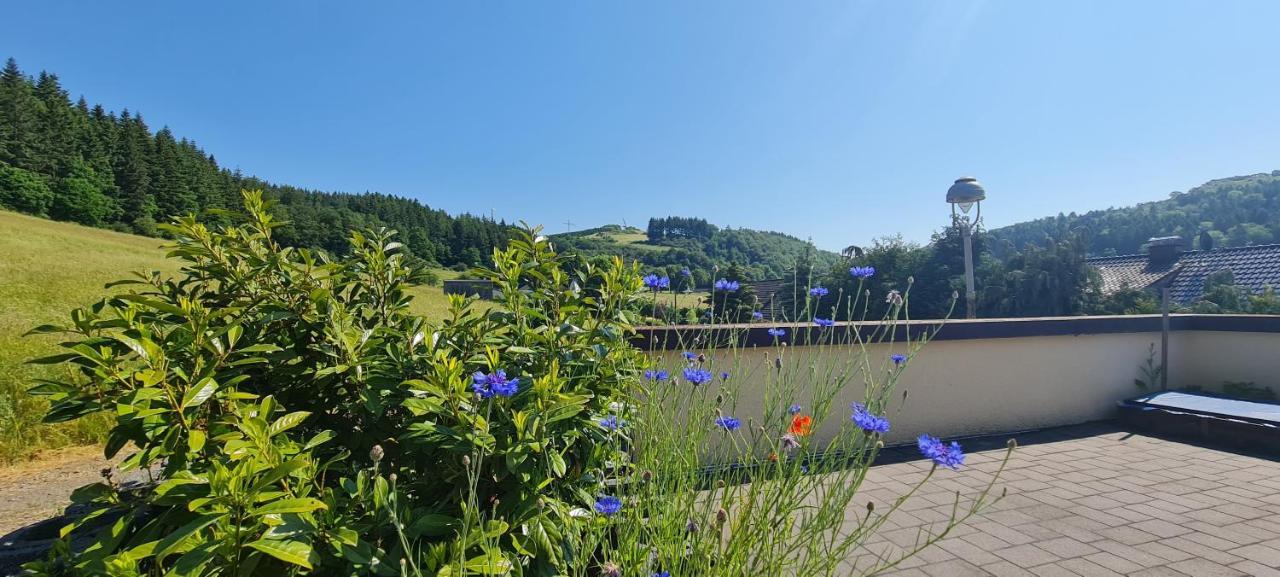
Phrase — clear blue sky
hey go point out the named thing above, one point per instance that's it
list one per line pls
(839, 121)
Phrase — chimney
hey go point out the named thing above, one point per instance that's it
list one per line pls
(1163, 251)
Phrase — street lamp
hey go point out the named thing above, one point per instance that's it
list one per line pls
(965, 194)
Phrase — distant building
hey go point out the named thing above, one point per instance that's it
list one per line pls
(1166, 262)
(469, 287)
(773, 304)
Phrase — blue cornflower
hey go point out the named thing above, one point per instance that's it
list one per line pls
(757, 316)
(495, 383)
(697, 376)
(898, 359)
(862, 271)
(661, 574)
(728, 423)
(818, 292)
(727, 285)
(794, 409)
(942, 454)
(612, 423)
(685, 272)
(867, 421)
(824, 322)
(776, 332)
(724, 375)
(655, 282)
(690, 356)
(608, 505)
(659, 375)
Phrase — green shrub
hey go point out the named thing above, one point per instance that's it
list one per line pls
(24, 191)
(199, 371)
(82, 198)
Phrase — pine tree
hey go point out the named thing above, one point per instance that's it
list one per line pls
(57, 125)
(132, 175)
(170, 183)
(19, 119)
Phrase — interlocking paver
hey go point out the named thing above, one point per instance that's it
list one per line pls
(1206, 568)
(1097, 500)
(1066, 547)
(1158, 572)
(1256, 569)
(1260, 553)
(1090, 568)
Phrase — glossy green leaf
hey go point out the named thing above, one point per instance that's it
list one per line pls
(287, 550)
(296, 505)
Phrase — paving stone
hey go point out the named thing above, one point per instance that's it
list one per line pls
(954, 568)
(1161, 528)
(1087, 567)
(1206, 568)
(1260, 553)
(1053, 570)
(1006, 569)
(1158, 572)
(1026, 555)
(1256, 569)
(1094, 500)
(1114, 562)
(1131, 553)
(1066, 547)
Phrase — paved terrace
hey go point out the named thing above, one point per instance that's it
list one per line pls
(1095, 500)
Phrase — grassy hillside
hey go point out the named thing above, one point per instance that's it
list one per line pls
(48, 268)
(628, 237)
(760, 254)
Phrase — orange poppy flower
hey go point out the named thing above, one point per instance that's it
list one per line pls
(801, 425)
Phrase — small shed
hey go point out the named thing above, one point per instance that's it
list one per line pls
(469, 287)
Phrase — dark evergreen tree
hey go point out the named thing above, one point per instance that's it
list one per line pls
(58, 126)
(20, 114)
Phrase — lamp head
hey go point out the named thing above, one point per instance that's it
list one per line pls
(965, 193)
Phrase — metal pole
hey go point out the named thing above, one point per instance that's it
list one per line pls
(970, 295)
(1164, 338)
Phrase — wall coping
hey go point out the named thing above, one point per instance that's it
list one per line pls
(755, 334)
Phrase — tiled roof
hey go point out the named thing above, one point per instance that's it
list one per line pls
(1253, 267)
(1131, 270)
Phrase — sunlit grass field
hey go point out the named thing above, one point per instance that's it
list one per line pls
(48, 268)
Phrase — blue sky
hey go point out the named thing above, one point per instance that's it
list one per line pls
(838, 121)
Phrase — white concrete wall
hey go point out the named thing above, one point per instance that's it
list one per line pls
(977, 386)
(1207, 358)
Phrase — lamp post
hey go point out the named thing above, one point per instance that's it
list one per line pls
(965, 194)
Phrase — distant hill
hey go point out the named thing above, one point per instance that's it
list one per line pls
(673, 243)
(1236, 211)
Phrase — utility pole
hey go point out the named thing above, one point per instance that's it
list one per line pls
(568, 226)
(965, 194)
(970, 294)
